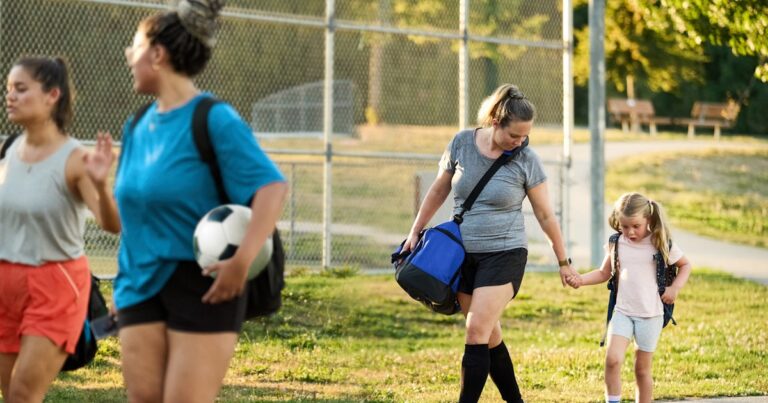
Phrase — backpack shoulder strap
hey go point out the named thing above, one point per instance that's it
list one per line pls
(613, 245)
(7, 144)
(203, 143)
(138, 115)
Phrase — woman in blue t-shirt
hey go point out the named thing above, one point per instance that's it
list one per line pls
(178, 326)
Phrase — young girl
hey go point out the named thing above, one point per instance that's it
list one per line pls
(639, 311)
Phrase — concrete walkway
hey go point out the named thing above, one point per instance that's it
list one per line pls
(742, 261)
(749, 399)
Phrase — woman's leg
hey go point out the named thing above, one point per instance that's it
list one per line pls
(37, 365)
(614, 358)
(6, 367)
(144, 351)
(644, 376)
(197, 364)
(483, 309)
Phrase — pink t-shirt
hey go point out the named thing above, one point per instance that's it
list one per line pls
(638, 294)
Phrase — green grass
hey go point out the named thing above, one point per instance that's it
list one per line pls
(716, 193)
(347, 338)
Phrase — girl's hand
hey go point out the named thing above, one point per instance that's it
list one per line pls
(229, 283)
(575, 281)
(98, 161)
(567, 272)
(670, 295)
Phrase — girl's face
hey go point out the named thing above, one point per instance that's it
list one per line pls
(140, 57)
(25, 99)
(634, 227)
(512, 135)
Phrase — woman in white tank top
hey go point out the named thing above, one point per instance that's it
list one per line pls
(47, 181)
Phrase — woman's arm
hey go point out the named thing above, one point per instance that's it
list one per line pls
(232, 273)
(89, 172)
(539, 197)
(436, 195)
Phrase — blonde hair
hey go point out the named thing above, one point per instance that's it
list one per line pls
(506, 104)
(632, 204)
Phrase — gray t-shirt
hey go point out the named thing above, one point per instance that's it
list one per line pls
(495, 222)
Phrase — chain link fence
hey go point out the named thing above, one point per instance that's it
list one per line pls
(397, 72)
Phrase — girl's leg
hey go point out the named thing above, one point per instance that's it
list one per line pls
(144, 351)
(483, 310)
(644, 376)
(614, 358)
(197, 364)
(37, 365)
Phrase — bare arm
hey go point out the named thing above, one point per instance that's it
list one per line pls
(435, 197)
(598, 276)
(684, 269)
(87, 173)
(539, 197)
(232, 273)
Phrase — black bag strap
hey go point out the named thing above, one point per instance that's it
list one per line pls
(7, 144)
(503, 159)
(204, 145)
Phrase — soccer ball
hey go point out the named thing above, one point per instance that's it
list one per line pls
(219, 233)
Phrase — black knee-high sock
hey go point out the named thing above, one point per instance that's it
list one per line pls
(503, 374)
(474, 371)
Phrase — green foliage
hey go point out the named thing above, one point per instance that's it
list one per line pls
(363, 339)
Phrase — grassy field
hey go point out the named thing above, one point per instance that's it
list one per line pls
(713, 193)
(342, 338)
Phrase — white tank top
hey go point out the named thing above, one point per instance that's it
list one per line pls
(40, 219)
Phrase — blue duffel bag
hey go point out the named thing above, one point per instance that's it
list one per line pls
(430, 273)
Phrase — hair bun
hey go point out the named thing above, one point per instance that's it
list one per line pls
(515, 93)
(199, 18)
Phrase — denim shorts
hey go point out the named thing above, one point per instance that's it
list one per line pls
(646, 331)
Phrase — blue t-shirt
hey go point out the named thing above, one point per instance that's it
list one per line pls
(163, 188)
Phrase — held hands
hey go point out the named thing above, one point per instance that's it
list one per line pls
(575, 281)
(568, 275)
(98, 161)
(229, 283)
(670, 294)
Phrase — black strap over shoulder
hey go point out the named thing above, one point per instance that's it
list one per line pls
(7, 144)
(204, 145)
(503, 159)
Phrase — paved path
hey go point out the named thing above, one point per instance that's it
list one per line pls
(743, 261)
(749, 399)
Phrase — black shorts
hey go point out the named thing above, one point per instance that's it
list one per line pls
(493, 268)
(179, 304)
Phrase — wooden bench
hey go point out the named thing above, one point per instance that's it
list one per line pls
(634, 112)
(708, 114)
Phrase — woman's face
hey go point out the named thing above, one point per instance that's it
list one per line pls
(25, 99)
(512, 135)
(143, 68)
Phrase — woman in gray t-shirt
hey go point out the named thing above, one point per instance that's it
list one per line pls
(493, 231)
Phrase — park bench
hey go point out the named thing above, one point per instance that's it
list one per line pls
(708, 114)
(634, 112)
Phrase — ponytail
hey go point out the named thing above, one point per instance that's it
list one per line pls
(660, 235)
(506, 104)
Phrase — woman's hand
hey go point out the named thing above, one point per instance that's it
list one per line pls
(98, 162)
(566, 274)
(229, 283)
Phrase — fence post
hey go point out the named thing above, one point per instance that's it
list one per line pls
(292, 215)
(597, 125)
(565, 163)
(330, 17)
(464, 64)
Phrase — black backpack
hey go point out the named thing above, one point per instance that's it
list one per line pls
(665, 275)
(86, 347)
(263, 292)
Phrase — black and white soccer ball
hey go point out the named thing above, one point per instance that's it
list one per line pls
(219, 233)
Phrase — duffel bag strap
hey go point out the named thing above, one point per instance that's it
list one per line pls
(503, 158)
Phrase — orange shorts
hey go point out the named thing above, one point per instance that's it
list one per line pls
(48, 300)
